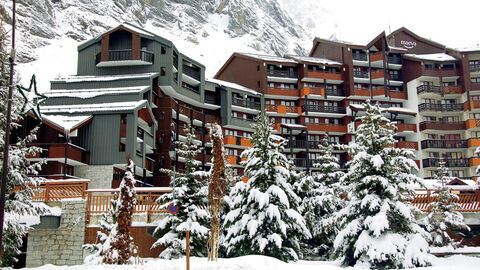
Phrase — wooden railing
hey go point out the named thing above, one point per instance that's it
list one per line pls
(60, 189)
(469, 202)
(99, 201)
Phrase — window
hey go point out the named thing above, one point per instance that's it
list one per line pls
(426, 83)
(475, 134)
(163, 71)
(429, 118)
(258, 67)
(475, 97)
(432, 136)
(163, 50)
(258, 84)
(450, 119)
(448, 101)
(448, 83)
(429, 101)
(475, 80)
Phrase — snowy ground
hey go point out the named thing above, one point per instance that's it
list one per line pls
(261, 263)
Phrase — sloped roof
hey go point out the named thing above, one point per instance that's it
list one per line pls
(66, 122)
(90, 93)
(437, 57)
(93, 108)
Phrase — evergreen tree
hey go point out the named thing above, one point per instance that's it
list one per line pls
(116, 245)
(190, 196)
(320, 195)
(19, 185)
(442, 216)
(378, 224)
(263, 217)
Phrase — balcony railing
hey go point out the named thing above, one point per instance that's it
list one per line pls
(438, 125)
(440, 107)
(283, 73)
(360, 74)
(334, 92)
(126, 54)
(394, 60)
(322, 108)
(444, 144)
(191, 72)
(474, 68)
(429, 89)
(246, 103)
(360, 57)
(449, 162)
(57, 150)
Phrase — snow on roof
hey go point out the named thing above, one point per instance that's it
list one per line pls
(71, 79)
(317, 60)
(294, 126)
(470, 49)
(67, 122)
(269, 57)
(135, 28)
(440, 57)
(234, 85)
(88, 108)
(90, 93)
(138, 189)
(398, 48)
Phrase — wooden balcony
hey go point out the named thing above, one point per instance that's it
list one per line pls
(398, 94)
(472, 123)
(377, 56)
(454, 89)
(474, 68)
(474, 161)
(283, 92)
(57, 151)
(317, 74)
(440, 107)
(49, 191)
(474, 142)
(467, 202)
(406, 127)
(327, 128)
(281, 109)
(378, 74)
(438, 125)
(474, 104)
(363, 92)
(444, 144)
(407, 145)
(236, 140)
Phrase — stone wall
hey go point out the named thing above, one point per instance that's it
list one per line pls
(100, 175)
(63, 245)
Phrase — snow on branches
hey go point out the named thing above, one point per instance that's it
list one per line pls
(379, 229)
(190, 196)
(263, 217)
(116, 245)
(442, 216)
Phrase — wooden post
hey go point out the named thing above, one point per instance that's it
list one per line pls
(188, 250)
(84, 188)
(47, 191)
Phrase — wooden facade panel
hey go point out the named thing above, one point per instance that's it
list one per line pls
(246, 72)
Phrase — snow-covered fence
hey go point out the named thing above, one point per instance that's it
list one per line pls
(469, 202)
(98, 201)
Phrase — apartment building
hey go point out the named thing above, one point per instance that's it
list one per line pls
(135, 92)
(425, 87)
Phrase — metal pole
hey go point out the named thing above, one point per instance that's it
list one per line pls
(67, 139)
(11, 59)
(188, 249)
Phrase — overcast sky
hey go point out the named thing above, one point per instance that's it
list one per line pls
(452, 23)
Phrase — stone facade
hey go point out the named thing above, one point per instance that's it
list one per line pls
(100, 175)
(63, 245)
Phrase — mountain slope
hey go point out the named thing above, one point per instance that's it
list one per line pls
(208, 31)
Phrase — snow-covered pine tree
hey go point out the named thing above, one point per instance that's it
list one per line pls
(379, 229)
(190, 196)
(116, 245)
(442, 216)
(320, 193)
(19, 192)
(263, 217)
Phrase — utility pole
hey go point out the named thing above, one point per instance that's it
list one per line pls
(6, 147)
